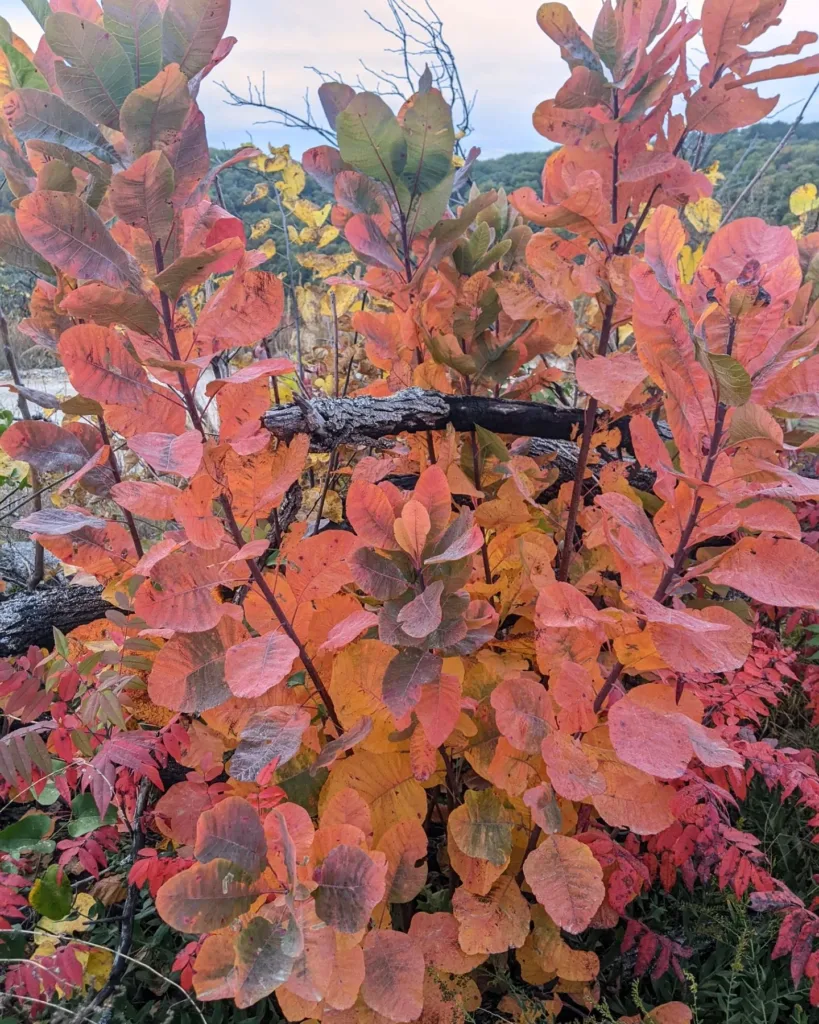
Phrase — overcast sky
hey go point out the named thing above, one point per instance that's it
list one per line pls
(502, 54)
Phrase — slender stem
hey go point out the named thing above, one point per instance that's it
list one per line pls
(583, 457)
(167, 318)
(126, 934)
(280, 614)
(332, 462)
(476, 465)
(774, 153)
(38, 566)
(673, 570)
(334, 309)
(291, 287)
(114, 467)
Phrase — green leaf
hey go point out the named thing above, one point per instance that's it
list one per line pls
(24, 834)
(51, 894)
(40, 9)
(191, 30)
(430, 141)
(60, 643)
(99, 77)
(24, 75)
(490, 444)
(85, 817)
(137, 27)
(429, 207)
(34, 114)
(371, 140)
(731, 378)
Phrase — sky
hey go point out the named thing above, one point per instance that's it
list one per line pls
(503, 57)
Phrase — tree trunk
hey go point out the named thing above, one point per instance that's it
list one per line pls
(29, 618)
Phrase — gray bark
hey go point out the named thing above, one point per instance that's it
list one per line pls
(334, 421)
(30, 618)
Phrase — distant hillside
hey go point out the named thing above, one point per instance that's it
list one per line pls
(740, 155)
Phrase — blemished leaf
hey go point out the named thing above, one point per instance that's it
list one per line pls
(242, 312)
(567, 881)
(106, 306)
(611, 379)
(51, 895)
(16, 251)
(154, 114)
(170, 453)
(408, 671)
(46, 446)
(25, 834)
(265, 954)
(393, 975)
(188, 674)
(371, 515)
(57, 521)
(232, 831)
(423, 614)
(35, 114)
(70, 234)
(772, 570)
(351, 885)
(524, 712)
(141, 195)
(357, 733)
(494, 922)
(732, 379)
(24, 74)
(405, 847)
(482, 826)
(426, 123)
(271, 735)
(137, 27)
(378, 575)
(205, 897)
(85, 817)
(96, 76)
(334, 97)
(191, 31)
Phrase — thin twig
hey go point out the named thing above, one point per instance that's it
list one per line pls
(38, 568)
(773, 155)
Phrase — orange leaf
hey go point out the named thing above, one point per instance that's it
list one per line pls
(232, 831)
(189, 672)
(567, 881)
(393, 975)
(493, 923)
(371, 516)
(257, 665)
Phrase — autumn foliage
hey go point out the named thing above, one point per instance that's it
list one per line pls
(456, 705)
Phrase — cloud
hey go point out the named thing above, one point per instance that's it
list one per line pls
(503, 57)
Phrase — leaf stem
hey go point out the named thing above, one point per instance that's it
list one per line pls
(278, 611)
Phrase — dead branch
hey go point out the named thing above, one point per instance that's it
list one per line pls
(336, 421)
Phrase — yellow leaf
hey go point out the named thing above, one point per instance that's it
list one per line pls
(804, 200)
(310, 214)
(268, 248)
(327, 234)
(293, 181)
(689, 260)
(12, 469)
(325, 264)
(73, 925)
(261, 227)
(713, 173)
(345, 294)
(704, 215)
(261, 190)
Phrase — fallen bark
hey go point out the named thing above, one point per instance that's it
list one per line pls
(335, 421)
(28, 619)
